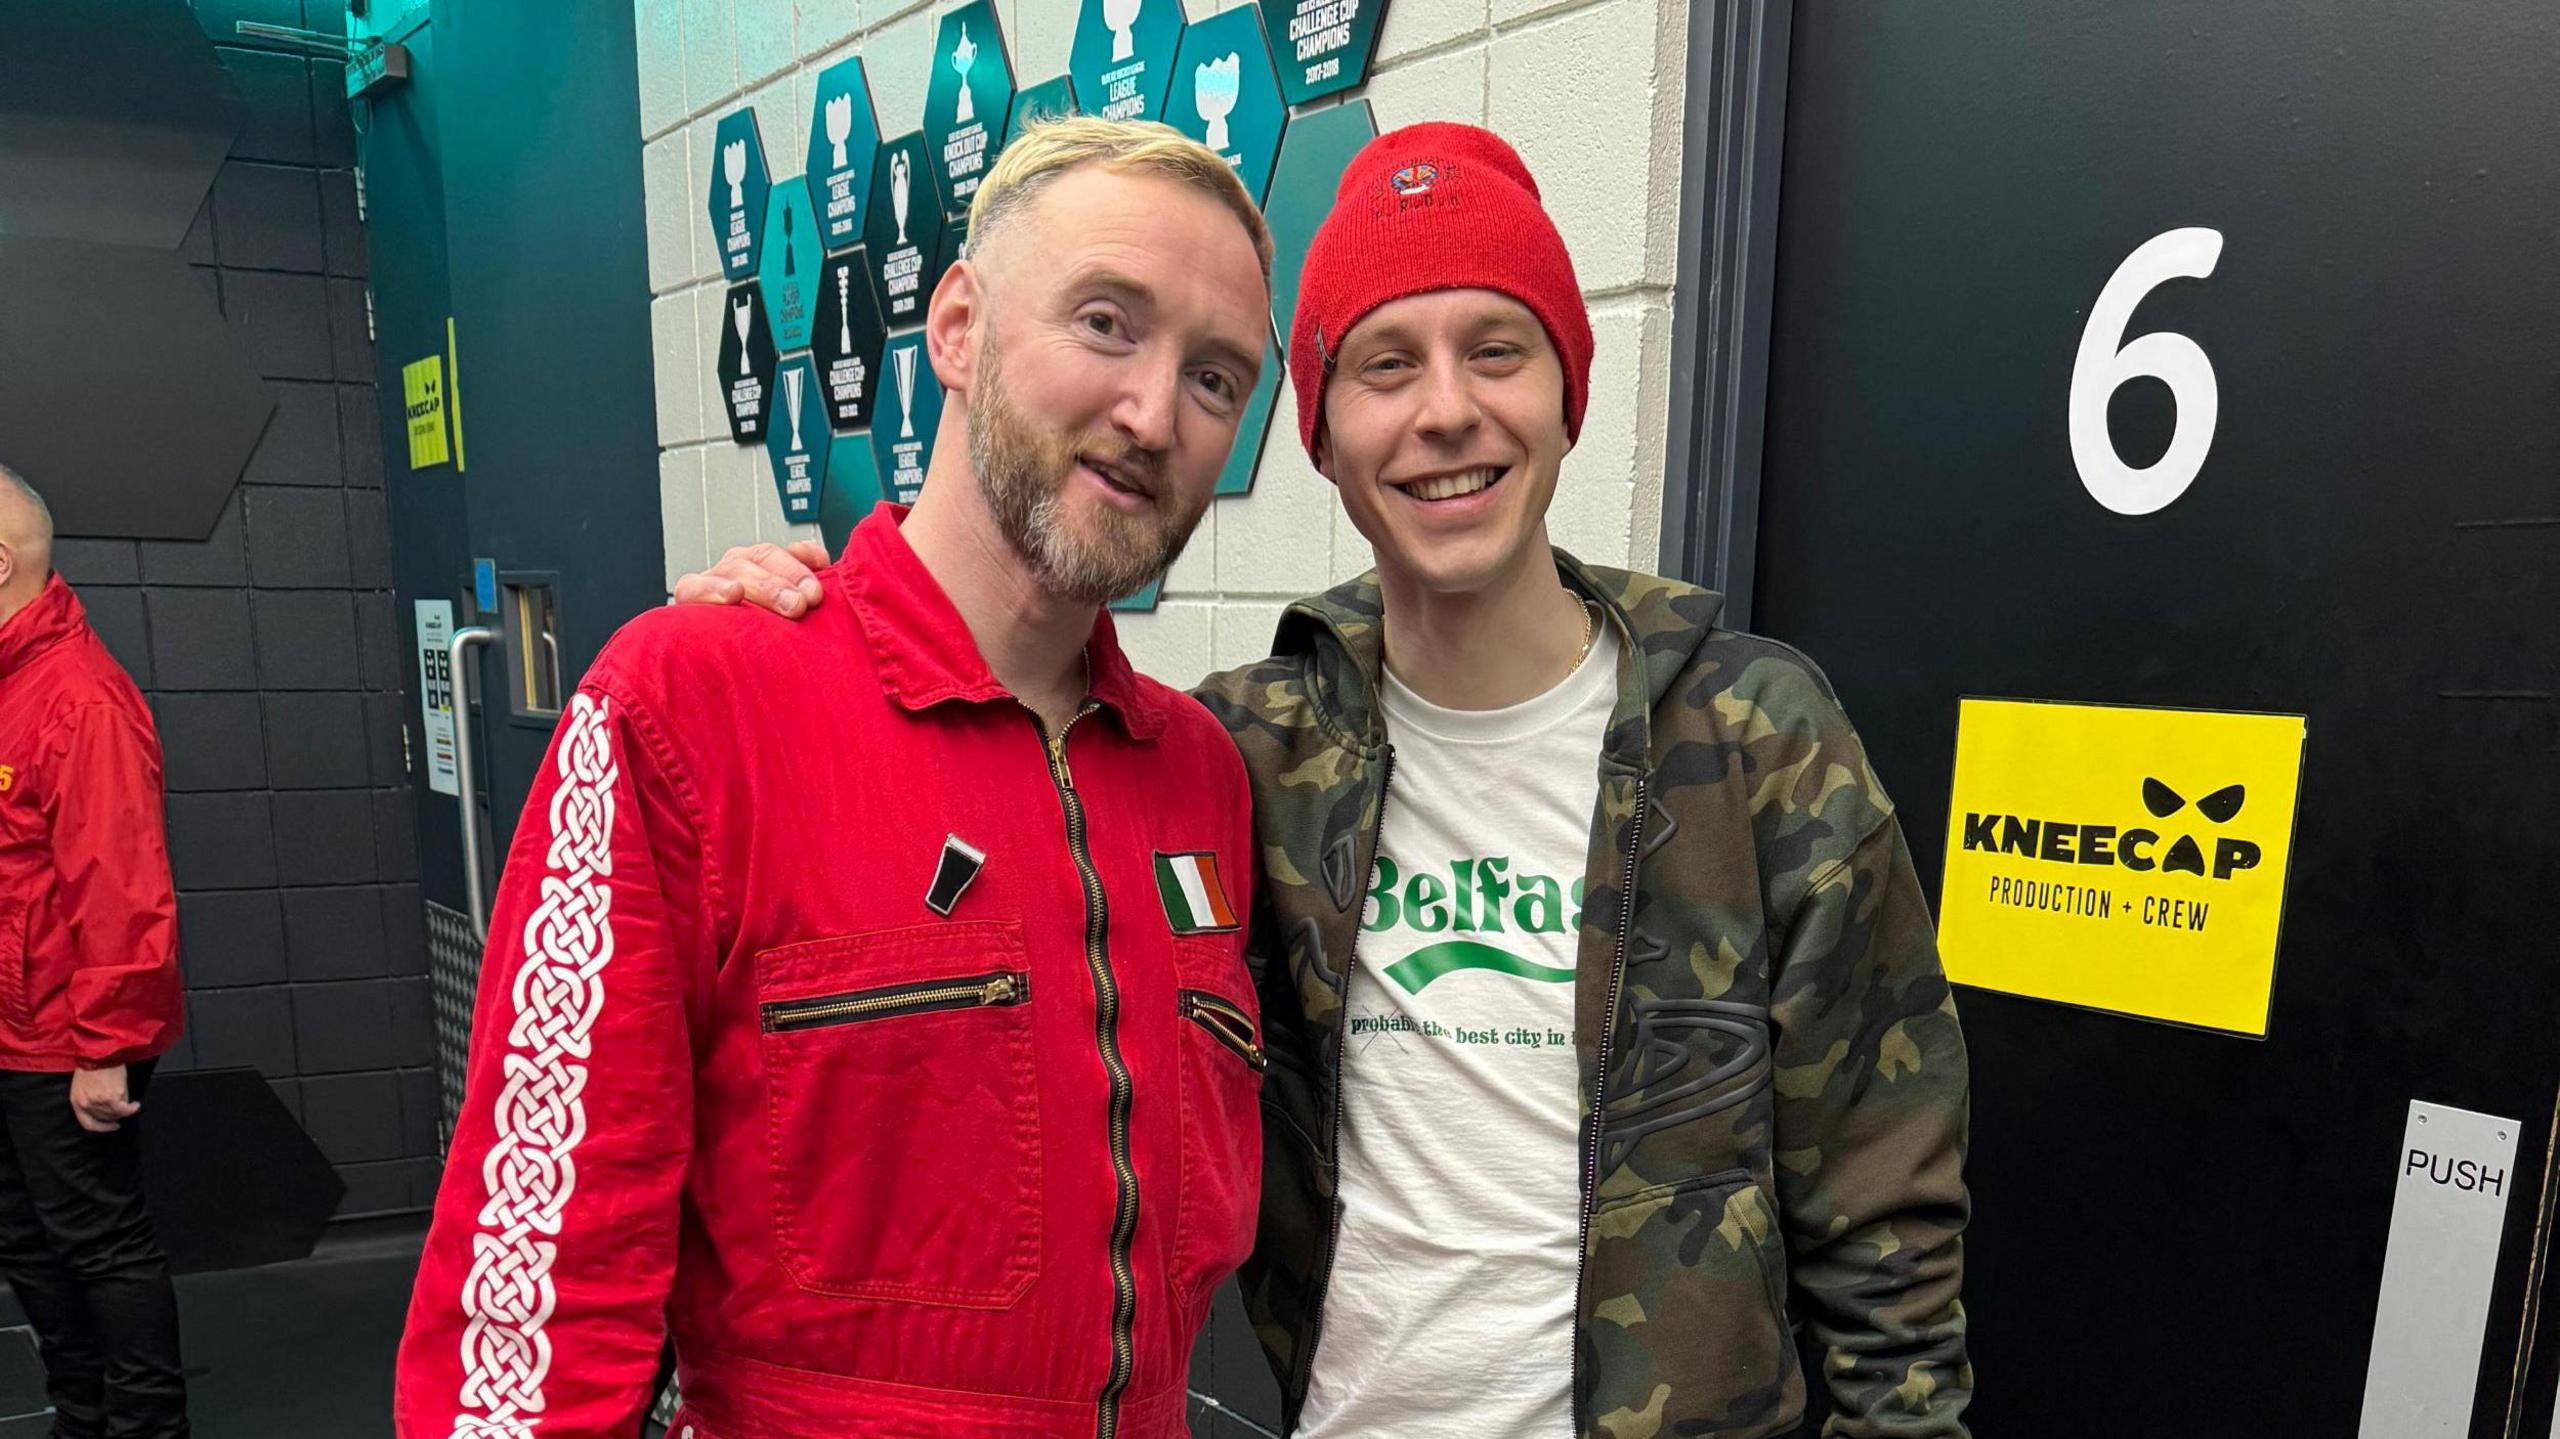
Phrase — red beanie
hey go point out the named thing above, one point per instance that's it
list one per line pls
(1434, 207)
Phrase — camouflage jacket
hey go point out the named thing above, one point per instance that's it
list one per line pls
(1773, 1080)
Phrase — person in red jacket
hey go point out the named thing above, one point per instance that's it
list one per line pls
(864, 1002)
(89, 999)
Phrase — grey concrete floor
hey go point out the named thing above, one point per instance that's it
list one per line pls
(303, 1348)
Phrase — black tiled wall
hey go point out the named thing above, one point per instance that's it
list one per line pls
(269, 654)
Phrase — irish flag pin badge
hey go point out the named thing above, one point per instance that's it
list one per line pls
(1194, 901)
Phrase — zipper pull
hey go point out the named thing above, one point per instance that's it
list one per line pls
(998, 990)
(1058, 759)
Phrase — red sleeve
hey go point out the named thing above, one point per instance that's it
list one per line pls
(111, 863)
(540, 1300)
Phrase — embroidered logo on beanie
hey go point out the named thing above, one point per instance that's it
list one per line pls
(1414, 179)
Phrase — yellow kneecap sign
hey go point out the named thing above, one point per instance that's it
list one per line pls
(422, 396)
(2121, 858)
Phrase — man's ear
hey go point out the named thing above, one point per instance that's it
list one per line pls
(8, 562)
(954, 323)
(1324, 453)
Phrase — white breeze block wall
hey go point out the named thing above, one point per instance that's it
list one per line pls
(1590, 91)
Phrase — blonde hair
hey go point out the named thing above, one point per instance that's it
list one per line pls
(1048, 149)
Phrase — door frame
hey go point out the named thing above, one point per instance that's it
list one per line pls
(1733, 144)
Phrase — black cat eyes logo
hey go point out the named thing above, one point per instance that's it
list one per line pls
(2137, 847)
(2221, 807)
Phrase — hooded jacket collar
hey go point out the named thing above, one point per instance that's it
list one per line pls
(1660, 624)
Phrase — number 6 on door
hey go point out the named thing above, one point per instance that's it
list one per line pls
(2106, 362)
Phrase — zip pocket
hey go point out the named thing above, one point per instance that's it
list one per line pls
(981, 991)
(902, 1159)
(1226, 1024)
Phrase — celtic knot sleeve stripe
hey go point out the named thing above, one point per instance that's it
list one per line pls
(531, 1168)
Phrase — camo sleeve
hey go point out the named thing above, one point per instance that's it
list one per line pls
(1871, 1098)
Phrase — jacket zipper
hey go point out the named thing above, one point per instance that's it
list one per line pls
(1333, 1140)
(1600, 1087)
(1106, 994)
(975, 992)
(1226, 1024)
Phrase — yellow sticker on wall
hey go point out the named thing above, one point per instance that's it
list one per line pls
(422, 392)
(2122, 859)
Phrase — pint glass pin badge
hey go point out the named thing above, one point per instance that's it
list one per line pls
(960, 864)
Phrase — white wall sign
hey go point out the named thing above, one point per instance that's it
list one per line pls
(435, 693)
(2107, 360)
(2456, 1173)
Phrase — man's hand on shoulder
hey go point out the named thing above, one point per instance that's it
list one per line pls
(780, 578)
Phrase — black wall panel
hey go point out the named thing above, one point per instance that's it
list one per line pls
(270, 659)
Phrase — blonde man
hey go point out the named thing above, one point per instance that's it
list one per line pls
(865, 1002)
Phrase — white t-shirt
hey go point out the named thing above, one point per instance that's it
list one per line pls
(1450, 1311)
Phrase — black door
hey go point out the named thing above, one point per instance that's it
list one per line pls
(550, 285)
(504, 183)
(2179, 1232)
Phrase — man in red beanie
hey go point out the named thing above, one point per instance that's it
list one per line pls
(1607, 1029)
(89, 1000)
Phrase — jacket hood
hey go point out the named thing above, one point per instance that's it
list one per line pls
(1661, 625)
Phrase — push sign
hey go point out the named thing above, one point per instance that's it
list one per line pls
(2448, 1214)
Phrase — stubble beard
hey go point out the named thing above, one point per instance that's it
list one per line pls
(1023, 471)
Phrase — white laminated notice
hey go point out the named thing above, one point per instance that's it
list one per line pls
(435, 694)
(2448, 1213)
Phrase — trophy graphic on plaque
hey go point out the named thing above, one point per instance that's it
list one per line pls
(899, 175)
(791, 397)
(906, 359)
(1214, 87)
(840, 126)
(1122, 17)
(738, 315)
(964, 55)
(787, 270)
(844, 307)
(733, 168)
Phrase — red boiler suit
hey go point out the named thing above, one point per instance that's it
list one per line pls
(881, 1170)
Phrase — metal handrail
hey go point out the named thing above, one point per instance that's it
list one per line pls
(467, 786)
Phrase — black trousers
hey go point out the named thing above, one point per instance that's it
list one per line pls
(77, 1246)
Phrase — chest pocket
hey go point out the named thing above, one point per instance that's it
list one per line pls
(1700, 1067)
(903, 1113)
